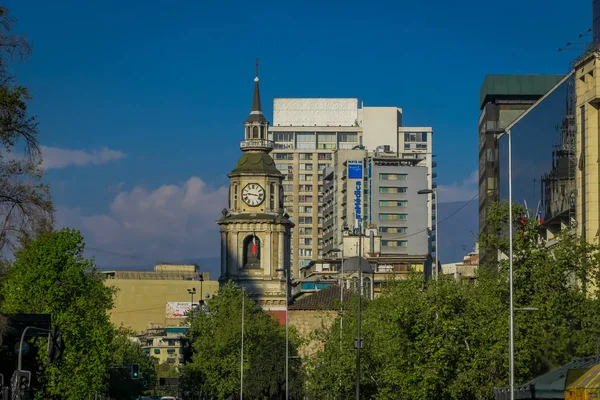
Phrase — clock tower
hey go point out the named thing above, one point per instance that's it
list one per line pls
(255, 231)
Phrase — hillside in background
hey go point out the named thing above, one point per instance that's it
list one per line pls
(457, 231)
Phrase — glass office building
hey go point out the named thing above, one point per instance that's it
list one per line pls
(544, 158)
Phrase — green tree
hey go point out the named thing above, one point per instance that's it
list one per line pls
(125, 352)
(449, 340)
(25, 205)
(51, 276)
(216, 336)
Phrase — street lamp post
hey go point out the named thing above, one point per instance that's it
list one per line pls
(201, 279)
(511, 339)
(192, 292)
(242, 352)
(358, 339)
(437, 253)
(287, 345)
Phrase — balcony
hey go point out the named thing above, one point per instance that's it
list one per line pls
(256, 144)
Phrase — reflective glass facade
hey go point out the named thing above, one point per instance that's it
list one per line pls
(544, 158)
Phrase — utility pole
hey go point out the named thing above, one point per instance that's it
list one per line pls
(358, 340)
(242, 353)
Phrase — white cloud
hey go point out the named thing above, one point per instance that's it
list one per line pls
(459, 191)
(55, 157)
(170, 223)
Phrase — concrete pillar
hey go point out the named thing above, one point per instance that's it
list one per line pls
(280, 252)
(224, 271)
(235, 257)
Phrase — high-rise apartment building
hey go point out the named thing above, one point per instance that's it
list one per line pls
(307, 133)
(384, 196)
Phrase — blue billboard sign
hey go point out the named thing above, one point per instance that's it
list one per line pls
(357, 201)
(355, 171)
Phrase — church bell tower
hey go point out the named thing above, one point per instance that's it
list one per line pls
(255, 231)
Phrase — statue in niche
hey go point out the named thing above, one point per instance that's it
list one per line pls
(252, 252)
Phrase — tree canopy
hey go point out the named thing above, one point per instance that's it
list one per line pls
(51, 276)
(216, 337)
(125, 352)
(449, 339)
(25, 205)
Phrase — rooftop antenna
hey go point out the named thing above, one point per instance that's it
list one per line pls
(587, 33)
(583, 45)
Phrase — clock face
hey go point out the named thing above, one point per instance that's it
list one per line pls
(253, 194)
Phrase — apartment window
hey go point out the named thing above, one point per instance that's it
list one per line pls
(287, 199)
(283, 136)
(393, 177)
(305, 177)
(348, 137)
(306, 167)
(305, 188)
(305, 209)
(415, 146)
(305, 220)
(327, 141)
(306, 241)
(288, 177)
(392, 229)
(415, 137)
(305, 252)
(320, 188)
(384, 189)
(306, 156)
(305, 199)
(305, 231)
(305, 140)
(288, 188)
(320, 221)
(284, 156)
(325, 156)
(394, 243)
(322, 166)
(392, 203)
(282, 167)
(392, 216)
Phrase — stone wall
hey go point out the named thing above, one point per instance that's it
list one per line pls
(306, 323)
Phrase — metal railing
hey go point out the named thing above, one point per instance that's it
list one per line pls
(256, 144)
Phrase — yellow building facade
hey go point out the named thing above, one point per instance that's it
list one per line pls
(150, 299)
(587, 90)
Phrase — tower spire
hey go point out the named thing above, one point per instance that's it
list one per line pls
(256, 114)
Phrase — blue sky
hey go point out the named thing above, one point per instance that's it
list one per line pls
(153, 94)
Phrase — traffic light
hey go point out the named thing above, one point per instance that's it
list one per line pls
(56, 346)
(135, 371)
(22, 381)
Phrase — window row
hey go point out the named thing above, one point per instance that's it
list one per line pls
(415, 137)
(384, 189)
(394, 243)
(393, 177)
(392, 229)
(393, 203)
(393, 216)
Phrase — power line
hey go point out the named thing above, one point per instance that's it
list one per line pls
(446, 218)
(130, 257)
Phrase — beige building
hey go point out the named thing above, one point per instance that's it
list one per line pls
(160, 298)
(377, 268)
(307, 132)
(465, 269)
(587, 90)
